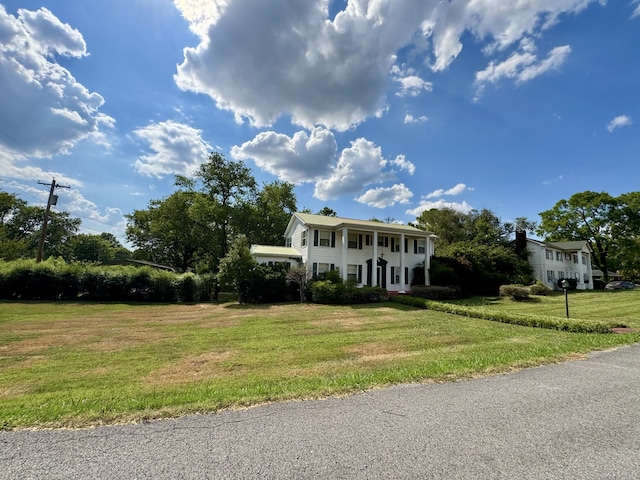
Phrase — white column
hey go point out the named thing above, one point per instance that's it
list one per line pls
(402, 279)
(580, 269)
(427, 258)
(345, 245)
(374, 263)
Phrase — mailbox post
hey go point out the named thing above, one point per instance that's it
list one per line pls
(565, 286)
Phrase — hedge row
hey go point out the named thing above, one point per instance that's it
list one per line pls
(54, 279)
(528, 320)
(327, 292)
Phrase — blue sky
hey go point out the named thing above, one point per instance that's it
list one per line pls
(379, 108)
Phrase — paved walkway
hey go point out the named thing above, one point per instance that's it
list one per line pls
(575, 420)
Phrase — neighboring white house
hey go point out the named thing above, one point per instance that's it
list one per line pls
(367, 252)
(552, 261)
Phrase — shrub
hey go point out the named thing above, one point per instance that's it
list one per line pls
(326, 292)
(517, 292)
(187, 288)
(442, 273)
(539, 288)
(434, 292)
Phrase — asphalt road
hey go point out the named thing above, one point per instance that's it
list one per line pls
(575, 420)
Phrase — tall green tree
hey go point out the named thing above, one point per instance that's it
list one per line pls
(193, 227)
(94, 248)
(274, 205)
(327, 212)
(166, 232)
(21, 227)
(230, 188)
(238, 267)
(610, 225)
(480, 227)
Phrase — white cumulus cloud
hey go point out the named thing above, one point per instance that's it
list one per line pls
(62, 112)
(619, 121)
(176, 149)
(386, 197)
(264, 60)
(298, 159)
(463, 207)
(359, 165)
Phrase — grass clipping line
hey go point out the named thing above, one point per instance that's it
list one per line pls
(523, 319)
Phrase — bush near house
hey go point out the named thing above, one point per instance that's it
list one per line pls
(540, 289)
(517, 292)
(434, 292)
(340, 293)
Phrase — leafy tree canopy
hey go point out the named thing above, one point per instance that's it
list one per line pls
(610, 225)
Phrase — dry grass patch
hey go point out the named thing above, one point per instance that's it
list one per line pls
(192, 369)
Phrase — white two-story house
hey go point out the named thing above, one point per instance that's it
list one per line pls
(552, 261)
(366, 252)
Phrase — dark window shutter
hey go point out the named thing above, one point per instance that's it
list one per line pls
(360, 241)
(415, 246)
(368, 242)
(393, 277)
(386, 242)
(359, 273)
(333, 239)
(406, 245)
(332, 267)
(406, 275)
(315, 238)
(393, 244)
(315, 269)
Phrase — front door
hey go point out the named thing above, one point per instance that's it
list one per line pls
(381, 272)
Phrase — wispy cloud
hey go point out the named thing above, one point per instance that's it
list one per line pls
(619, 121)
(456, 190)
(408, 119)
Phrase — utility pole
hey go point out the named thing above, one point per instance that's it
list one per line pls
(53, 199)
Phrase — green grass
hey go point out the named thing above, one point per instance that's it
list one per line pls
(77, 364)
(602, 306)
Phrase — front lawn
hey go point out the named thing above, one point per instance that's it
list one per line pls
(597, 305)
(82, 364)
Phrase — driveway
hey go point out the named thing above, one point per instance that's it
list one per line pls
(574, 420)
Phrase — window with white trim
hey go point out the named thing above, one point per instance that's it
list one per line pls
(551, 275)
(421, 245)
(352, 273)
(352, 240)
(303, 241)
(549, 254)
(324, 238)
